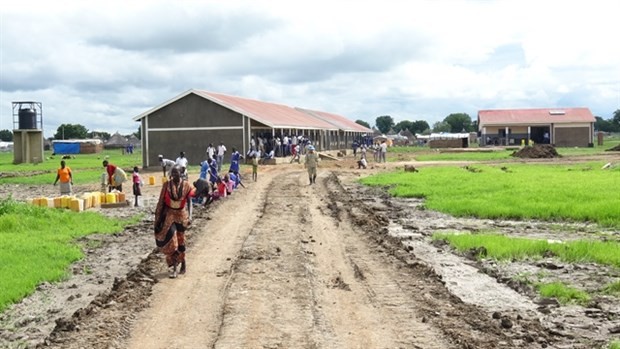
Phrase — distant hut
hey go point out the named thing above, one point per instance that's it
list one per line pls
(116, 141)
(134, 141)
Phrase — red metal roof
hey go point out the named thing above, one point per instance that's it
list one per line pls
(270, 114)
(534, 116)
(339, 121)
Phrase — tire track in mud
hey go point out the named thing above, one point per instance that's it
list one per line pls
(466, 325)
(299, 283)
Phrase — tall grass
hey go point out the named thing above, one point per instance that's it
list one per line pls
(563, 293)
(38, 244)
(501, 247)
(582, 192)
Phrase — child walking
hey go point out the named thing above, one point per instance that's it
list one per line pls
(137, 183)
(255, 166)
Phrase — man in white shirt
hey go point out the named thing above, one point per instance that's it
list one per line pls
(210, 151)
(383, 151)
(182, 163)
(221, 150)
(166, 165)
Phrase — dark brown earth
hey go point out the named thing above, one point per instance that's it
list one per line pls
(281, 264)
(537, 151)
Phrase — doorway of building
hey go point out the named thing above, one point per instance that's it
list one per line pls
(538, 134)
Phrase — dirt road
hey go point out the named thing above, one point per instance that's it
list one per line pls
(283, 264)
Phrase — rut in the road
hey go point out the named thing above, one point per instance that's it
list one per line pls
(305, 280)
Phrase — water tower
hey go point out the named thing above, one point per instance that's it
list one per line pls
(27, 132)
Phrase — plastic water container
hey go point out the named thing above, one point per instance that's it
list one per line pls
(151, 180)
(110, 198)
(76, 205)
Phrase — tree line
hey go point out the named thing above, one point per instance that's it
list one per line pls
(462, 122)
(453, 123)
(70, 131)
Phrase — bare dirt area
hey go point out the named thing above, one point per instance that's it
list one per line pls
(284, 264)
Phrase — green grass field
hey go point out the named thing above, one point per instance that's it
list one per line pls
(580, 193)
(86, 168)
(502, 247)
(39, 244)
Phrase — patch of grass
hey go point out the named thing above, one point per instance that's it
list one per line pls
(614, 344)
(513, 191)
(501, 247)
(86, 168)
(612, 288)
(563, 293)
(38, 244)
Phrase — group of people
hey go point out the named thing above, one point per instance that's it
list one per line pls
(379, 153)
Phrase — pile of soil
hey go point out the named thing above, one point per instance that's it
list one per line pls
(538, 151)
(616, 148)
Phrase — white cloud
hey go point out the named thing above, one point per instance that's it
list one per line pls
(100, 64)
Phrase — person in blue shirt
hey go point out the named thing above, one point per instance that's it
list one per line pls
(204, 169)
(234, 161)
(212, 171)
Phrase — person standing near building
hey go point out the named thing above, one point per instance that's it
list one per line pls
(311, 162)
(65, 176)
(181, 161)
(235, 157)
(221, 150)
(210, 151)
(383, 151)
(166, 165)
(172, 220)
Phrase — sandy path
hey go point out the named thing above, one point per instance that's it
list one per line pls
(304, 282)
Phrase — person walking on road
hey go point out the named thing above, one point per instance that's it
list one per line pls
(172, 220)
(311, 162)
(64, 175)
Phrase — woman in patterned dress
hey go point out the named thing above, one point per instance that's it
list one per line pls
(172, 220)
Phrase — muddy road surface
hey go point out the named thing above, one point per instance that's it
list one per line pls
(279, 264)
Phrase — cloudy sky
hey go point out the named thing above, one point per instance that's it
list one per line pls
(99, 63)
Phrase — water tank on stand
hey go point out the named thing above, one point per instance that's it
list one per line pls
(27, 119)
(28, 139)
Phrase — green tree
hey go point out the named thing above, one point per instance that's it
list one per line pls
(6, 136)
(616, 118)
(441, 126)
(403, 125)
(71, 131)
(384, 123)
(419, 126)
(138, 133)
(459, 122)
(605, 125)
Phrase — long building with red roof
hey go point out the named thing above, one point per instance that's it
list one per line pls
(195, 118)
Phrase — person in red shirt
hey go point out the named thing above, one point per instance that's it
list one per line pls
(66, 179)
(116, 176)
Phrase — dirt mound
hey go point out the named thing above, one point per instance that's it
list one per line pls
(616, 148)
(538, 151)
